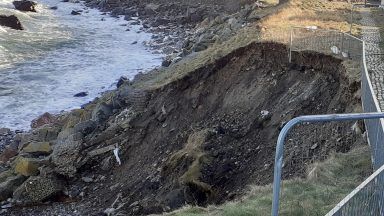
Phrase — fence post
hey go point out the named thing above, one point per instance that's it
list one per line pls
(290, 46)
(351, 21)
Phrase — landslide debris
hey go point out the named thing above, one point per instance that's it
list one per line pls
(199, 139)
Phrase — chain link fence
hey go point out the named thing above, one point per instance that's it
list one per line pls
(367, 200)
(351, 49)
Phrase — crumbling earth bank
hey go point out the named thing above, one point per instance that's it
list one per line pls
(200, 139)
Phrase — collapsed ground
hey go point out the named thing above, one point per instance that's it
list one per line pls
(199, 139)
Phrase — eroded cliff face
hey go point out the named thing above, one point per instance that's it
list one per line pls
(199, 139)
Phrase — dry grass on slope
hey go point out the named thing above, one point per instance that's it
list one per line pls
(275, 26)
(321, 13)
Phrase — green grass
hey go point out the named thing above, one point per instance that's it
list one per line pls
(327, 183)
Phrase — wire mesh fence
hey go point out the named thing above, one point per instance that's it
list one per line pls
(326, 41)
(366, 199)
(302, 148)
(308, 144)
(369, 199)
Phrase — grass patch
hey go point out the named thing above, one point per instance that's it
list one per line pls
(275, 26)
(328, 182)
(321, 13)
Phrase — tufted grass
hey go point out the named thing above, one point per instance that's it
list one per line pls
(327, 184)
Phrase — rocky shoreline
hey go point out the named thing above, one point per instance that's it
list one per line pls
(199, 139)
(137, 151)
(180, 28)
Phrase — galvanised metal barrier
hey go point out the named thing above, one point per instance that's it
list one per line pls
(366, 199)
(352, 50)
(284, 132)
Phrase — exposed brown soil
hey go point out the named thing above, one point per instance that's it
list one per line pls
(203, 138)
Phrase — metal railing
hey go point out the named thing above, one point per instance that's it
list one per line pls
(352, 50)
(366, 199)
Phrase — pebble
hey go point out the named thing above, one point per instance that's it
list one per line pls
(87, 179)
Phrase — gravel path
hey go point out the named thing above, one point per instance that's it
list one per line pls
(371, 34)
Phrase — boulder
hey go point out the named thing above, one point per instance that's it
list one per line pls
(11, 22)
(9, 186)
(85, 127)
(5, 131)
(101, 112)
(122, 79)
(38, 148)
(151, 8)
(66, 152)
(46, 134)
(25, 5)
(44, 119)
(26, 166)
(5, 174)
(75, 13)
(37, 189)
(7, 154)
(80, 94)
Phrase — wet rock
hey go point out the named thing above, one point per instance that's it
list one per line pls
(77, 13)
(42, 148)
(85, 127)
(44, 119)
(38, 189)
(160, 21)
(135, 22)
(9, 186)
(5, 174)
(122, 79)
(195, 15)
(11, 22)
(25, 6)
(101, 112)
(80, 94)
(5, 131)
(200, 47)
(66, 152)
(177, 59)
(166, 63)
(7, 154)
(151, 8)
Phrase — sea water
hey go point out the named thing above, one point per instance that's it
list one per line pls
(59, 55)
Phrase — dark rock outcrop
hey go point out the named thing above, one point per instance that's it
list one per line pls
(11, 22)
(80, 94)
(76, 12)
(25, 6)
(44, 119)
(37, 189)
(9, 185)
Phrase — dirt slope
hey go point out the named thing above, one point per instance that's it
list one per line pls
(201, 139)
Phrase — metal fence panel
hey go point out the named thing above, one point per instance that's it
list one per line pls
(368, 198)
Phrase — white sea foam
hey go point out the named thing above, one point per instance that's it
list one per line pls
(59, 55)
